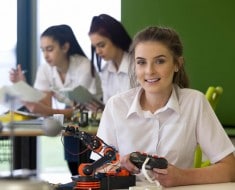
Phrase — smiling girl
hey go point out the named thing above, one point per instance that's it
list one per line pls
(162, 116)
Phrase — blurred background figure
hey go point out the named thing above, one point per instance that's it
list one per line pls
(67, 67)
(110, 42)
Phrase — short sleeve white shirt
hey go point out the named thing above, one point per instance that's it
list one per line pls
(115, 81)
(171, 132)
(79, 73)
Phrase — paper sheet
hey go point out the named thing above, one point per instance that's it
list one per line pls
(17, 92)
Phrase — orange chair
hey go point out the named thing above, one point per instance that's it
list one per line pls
(213, 95)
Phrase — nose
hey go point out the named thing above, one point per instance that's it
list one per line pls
(149, 68)
(45, 55)
(98, 50)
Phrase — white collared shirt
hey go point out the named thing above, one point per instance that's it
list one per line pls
(79, 73)
(113, 81)
(171, 132)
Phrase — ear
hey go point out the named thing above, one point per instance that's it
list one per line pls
(179, 64)
(66, 47)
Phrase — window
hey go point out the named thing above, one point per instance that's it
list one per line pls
(8, 35)
(77, 14)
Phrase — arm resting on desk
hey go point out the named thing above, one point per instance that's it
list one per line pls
(222, 171)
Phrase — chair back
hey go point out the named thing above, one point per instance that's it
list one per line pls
(213, 95)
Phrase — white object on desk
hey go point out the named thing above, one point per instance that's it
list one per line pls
(146, 188)
(217, 186)
(60, 118)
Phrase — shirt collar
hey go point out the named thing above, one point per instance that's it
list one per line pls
(135, 106)
(173, 103)
(123, 67)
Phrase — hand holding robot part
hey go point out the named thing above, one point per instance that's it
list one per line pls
(138, 160)
(89, 173)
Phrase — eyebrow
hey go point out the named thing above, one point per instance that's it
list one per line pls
(99, 43)
(159, 56)
(50, 46)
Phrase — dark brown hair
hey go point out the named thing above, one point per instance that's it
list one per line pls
(112, 29)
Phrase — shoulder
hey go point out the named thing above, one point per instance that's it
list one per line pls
(124, 67)
(105, 66)
(184, 92)
(79, 64)
(123, 99)
(44, 68)
(190, 96)
(188, 92)
(79, 59)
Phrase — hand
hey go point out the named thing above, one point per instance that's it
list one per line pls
(169, 177)
(16, 75)
(45, 110)
(94, 106)
(126, 163)
(38, 108)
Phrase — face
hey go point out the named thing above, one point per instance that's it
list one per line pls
(154, 67)
(53, 53)
(103, 47)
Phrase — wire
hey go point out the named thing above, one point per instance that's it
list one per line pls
(147, 174)
(72, 153)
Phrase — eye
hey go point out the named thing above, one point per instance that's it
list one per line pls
(101, 45)
(140, 61)
(49, 49)
(160, 61)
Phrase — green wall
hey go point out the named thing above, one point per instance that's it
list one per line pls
(207, 30)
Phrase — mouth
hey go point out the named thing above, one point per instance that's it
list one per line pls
(152, 80)
(102, 56)
(49, 62)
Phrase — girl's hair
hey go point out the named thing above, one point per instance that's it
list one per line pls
(171, 40)
(64, 34)
(109, 27)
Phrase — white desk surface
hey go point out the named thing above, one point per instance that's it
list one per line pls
(219, 186)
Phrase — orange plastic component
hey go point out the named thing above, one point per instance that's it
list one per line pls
(81, 167)
(98, 150)
(87, 185)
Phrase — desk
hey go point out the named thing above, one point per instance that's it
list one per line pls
(26, 128)
(141, 186)
(23, 132)
(39, 132)
(25, 142)
(219, 186)
(23, 128)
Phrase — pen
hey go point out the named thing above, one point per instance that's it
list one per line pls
(16, 70)
(24, 71)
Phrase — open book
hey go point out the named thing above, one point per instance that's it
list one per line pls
(81, 95)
